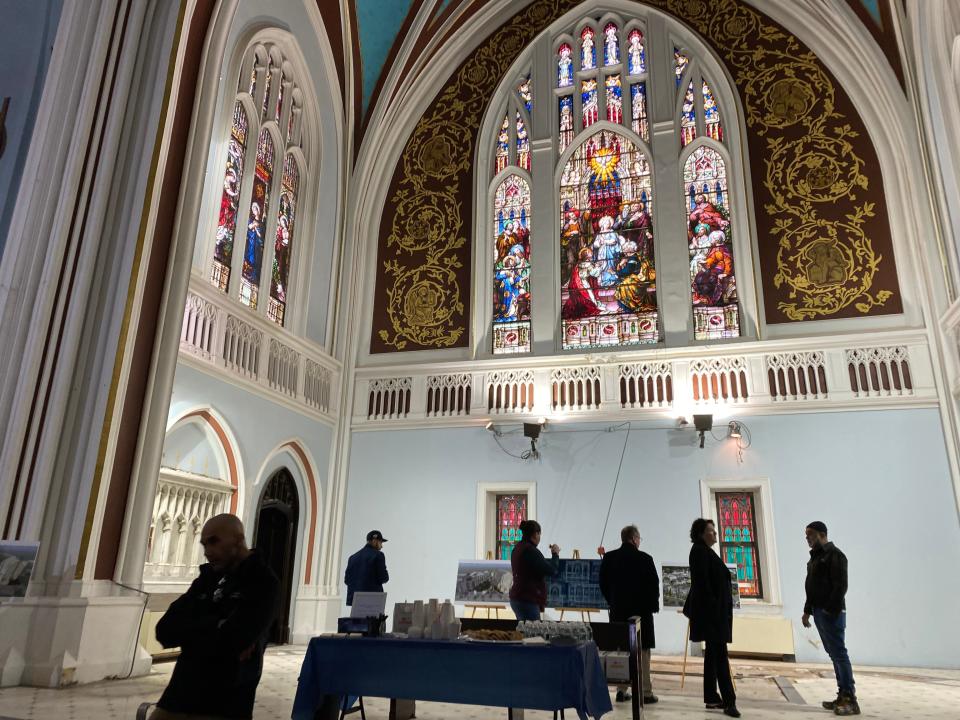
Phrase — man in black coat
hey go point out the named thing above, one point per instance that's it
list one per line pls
(220, 625)
(826, 588)
(629, 582)
(367, 568)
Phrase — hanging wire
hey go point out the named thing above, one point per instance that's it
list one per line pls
(616, 481)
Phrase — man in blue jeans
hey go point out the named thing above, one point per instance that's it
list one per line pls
(826, 587)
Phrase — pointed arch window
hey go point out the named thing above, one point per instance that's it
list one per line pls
(606, 83)
(263, 179)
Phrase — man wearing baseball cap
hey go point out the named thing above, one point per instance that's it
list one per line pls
(826, 587)
(367, 568)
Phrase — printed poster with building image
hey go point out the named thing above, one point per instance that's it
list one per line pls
(484, 581)
(17, 560)
(577, 585)
(676, 584)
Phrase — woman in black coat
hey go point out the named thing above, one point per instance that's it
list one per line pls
(709, 607)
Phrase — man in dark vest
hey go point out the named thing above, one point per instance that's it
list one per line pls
(220, 625)
(826, 588)
(528, 595)
(629, 582)
(367, 568)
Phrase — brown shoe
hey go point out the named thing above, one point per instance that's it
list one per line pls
(847, 705)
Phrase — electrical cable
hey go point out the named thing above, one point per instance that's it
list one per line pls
(616, 481)
(136, 636)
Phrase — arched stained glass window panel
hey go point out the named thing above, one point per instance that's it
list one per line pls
(638, 102)
(680, 62)
(709, 234)
(564, 66)
(589, 106)
(636, 55)
(611, 44)
(588, 49)
(289, 187)
(252, 88)
(266, 89)
(525, 92)
(511, 511)
(608, 281)
(503, 146)
(738, 540)
(688, 118)
(523, 143)
(711, 114)
(511, 266)
(279, 98)
(256, 224)
(230, 199)
(566, 121)
(614, 99)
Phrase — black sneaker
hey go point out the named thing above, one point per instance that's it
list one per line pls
(732, 711)
(831, 704)
(623, 696)
(715, 705)
(847, 705)
(650, 699)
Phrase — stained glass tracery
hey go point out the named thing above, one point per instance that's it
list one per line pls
(230, 199)
(709, 235)
(589, 102)
(638, 104)
(268, 79)
(608, 291)
(511, 266)
(611, 44)
(511, 511)
(256, 224)
(588, 49)
(523, 143)
(566, 121)
(688, 117)
(503, 145)
(525, 92)
(737, 530)
(286, 213)
(711, 114)
(680, 62)
(564, 66)
(614, 99)
(636, 55)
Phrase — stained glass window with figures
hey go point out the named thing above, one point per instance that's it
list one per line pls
(230, 199)
(737, 537)
(511, 266)
(286, 215)
(511, 511)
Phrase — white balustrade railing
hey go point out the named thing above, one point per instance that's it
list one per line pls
(183, 503)
(847, 372)
(226, 335)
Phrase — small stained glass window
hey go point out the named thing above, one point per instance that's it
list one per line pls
(709, 235)
(711, 114)
(279, 109)
(511, 266)
(614, 99)
(608, 281)
(523, 144)
(611, 44)
(566, 121)
(688, 118)
(290, 184)
(589, 106)
(511, 511)
(588, 49)
(256, 224)
(564, 66)
(503, 145)
(252, 88)
(525, 92)
(737, 532)
(638, 101)
(680, 62)
(266, 89)
(636, 55)
(230, 199)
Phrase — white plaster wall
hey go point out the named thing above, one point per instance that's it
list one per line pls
(878, 479)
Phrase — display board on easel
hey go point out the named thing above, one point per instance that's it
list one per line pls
(576, 586)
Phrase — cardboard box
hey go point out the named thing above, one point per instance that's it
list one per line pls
(617, 667)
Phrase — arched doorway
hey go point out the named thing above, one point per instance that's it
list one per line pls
(276, 536)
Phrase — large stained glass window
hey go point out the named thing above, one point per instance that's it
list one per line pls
(511, 511)
(256, 224)
(737, 532)
(712, 278)
(511, 266)
(289, 186)
(608, 280)
(230, 199)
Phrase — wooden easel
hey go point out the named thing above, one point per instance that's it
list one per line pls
(473, 607)
(683, 669)
(584, 612)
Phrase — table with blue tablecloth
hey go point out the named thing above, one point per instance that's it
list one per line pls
(522, 676)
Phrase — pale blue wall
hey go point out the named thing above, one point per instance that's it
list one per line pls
(878, 479)
(26, 42)
(259, 426)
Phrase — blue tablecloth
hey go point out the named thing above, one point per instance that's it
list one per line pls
(534, 677)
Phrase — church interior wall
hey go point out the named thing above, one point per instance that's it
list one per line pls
(878, 479)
